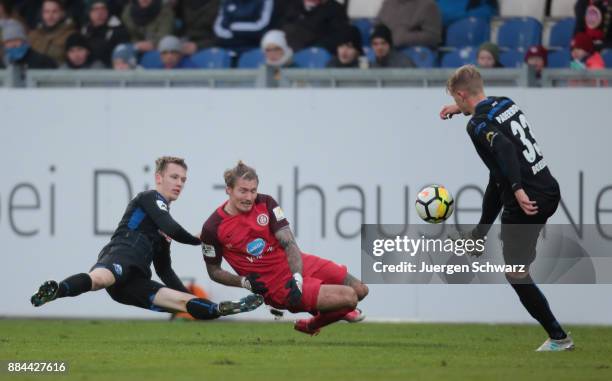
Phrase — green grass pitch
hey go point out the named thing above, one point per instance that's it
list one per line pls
(235, 351)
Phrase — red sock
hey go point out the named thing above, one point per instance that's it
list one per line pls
(325, 318)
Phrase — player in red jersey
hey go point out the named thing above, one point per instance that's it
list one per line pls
(251, 233)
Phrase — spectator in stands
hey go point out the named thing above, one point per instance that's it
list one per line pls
(584, 56)
(124, 57)
(314, 23)
(171, 51)
(537, 57)
(103, 31)
(385, 54)
(49, 38)
(17, 50)
(453, 10)
(276, 50)
(78, 54)
(147, 21)
(412, 22)
(241, 24)
(349, 49)
(594, 17)
(198, 20)
(488, 56)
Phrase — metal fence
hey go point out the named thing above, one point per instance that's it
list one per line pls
(266, 77)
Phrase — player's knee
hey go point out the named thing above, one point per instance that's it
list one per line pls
(101, 279)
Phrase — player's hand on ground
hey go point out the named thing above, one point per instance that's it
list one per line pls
(529, 207)
(295, 292)
(448, 111)
(251, 283)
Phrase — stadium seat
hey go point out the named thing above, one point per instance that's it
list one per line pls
(562, 8)
(312, 58)
(151, 60)
(369, 52)
(364, 8)
(520, 32)
(607, 57)
(559, 59)
(459, 57)
(522, 8)
(421, 56)
(471, 31)
(561, 33)
(251, 59)
(512, 58)
(365, 27)
(212, 58)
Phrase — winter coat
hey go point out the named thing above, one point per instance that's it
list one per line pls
(412, 22)
(52, 41)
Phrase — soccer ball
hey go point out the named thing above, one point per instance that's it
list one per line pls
(434, 204)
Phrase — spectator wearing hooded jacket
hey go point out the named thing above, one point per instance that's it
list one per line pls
(276, 51)
(49, 38)
(147, 21)
(412, 22)
(314, 23)
(349, 49)
(103, 31)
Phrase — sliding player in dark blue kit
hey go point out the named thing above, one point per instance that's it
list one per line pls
(519, 182)
(143, 237)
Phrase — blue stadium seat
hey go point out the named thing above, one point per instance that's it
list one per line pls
(212, 58)
(520, 32)
(421, 56)
(607, 57)
(365, 27)
(512, 58)
(460, 57)
(151, 60)
(251, 59)
(471, 31)
(312, 58)
(369, 52)
(559, 59)
(561, 33)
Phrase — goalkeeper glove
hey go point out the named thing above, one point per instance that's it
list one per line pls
(295, 289)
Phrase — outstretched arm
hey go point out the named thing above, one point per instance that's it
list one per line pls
(158, 211)
(216, 273)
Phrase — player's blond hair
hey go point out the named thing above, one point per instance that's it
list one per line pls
(162, 162)
(466, 78)
(240, 171)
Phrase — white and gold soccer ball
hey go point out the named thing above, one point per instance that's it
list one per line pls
(434, 204)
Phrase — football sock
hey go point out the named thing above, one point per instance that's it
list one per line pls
(202, 309)
(74, 285)
(536, 304)
(325, 318)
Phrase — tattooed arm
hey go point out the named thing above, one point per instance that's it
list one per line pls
(294, 255)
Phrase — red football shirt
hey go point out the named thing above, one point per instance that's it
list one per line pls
(247, 241)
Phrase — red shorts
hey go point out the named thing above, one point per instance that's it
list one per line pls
(316, 271)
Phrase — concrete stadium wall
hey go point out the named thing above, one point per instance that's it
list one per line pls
(73, 158)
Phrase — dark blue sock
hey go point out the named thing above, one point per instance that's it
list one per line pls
(202, 309)
(536, 304)
(74, 285)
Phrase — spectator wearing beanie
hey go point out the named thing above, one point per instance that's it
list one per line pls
(17, 50)
(349, 49)
(412, 22)
(171, 51)
(50, 36)
(276, 50)
(385, 55)
(103, 31)
(488, 56)
(124, 57)
(78, 54)
(584, 55)
(537, 57)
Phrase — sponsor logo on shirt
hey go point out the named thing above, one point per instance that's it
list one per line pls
(208, 251)
(162, 205)
(278, 213)
(118, 269)
(256, 247)
(263, 219)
